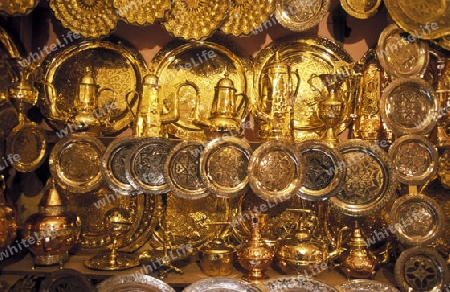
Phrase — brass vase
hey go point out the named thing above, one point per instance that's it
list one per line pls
(8, 223)
(255, 255)
(53, 231)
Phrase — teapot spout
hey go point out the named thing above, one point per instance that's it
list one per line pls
(339, 249)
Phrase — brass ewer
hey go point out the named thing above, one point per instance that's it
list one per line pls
(357, 260)
(275, 109)
(227, 112)
(255, 255)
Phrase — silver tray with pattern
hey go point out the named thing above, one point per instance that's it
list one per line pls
(301, 15)
(221, 284)
(295, 283)
(129, 283)
(364, 285)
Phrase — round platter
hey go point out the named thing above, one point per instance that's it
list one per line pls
(361, 9)
(67, 280)
(301, 15)
(222, 284)
(364, 285)
(295, 283)
(128, 283)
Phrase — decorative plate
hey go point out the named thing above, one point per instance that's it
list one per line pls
(444, 42)
(203, 63)
(114, 65)
(223, 166)
(276, 171)
(113, 164)
(128, 283)
(245, 17)
(444, 169)
(182, 171)
(400, 54)
(364, 285)
(222, 284)
(414, 158)
(141, 12)
(98, 16)
(308, 55)
(324, 176)
(409, 106)
(301, 15)
(200, 16)
(18, 7)
(75, 162)
(361, 9)
(421, 269)
(426, 20)
(28, 141)
(144, 165)
(66, 280)
(370, 181)
(417, 219)
(295, 283)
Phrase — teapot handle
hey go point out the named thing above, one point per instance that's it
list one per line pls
(242, 106)
(197, 120)
(129, 108)
(294, 96)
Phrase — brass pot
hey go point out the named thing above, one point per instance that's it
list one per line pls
(53, 230)
(216, 258)
(8, 223)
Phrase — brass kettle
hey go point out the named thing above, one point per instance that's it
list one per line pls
(227, 113)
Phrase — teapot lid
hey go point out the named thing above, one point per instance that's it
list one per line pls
(225, 82)
(150, 79)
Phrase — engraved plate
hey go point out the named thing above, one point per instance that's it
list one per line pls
(222, 284)
(301, 15)
(363, 285)
(361, 9)
(127, 283)
(296, 283)
(66, 280)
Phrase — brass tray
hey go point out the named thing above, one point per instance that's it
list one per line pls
(144, 165)
(276, 171)
(399, 55)
(244, 17)
(417, 219)
(223, 284)
(414, 158)
(195, 20)
(409, 106)
(365, 285)
(18, 7)
(223, 166)
(182, 171)
(444, 169)
(91, 19)
(361, 9)
(128, 283)
(75, 162)
(421, 269)
(179, 61)
(324, 176)
(113, 164)
(295, 283)
(309, 55)
(418, 17)
(370, 181)
(115, 65)
(301, 15)
(141, 12)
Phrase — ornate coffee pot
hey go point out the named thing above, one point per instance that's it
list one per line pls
(276, 105)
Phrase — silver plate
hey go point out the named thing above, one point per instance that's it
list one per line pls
(223, 166)
(132, 283)
(417, 219)
(363, 285)
(66, 280)
(421, 269)
(221, 284)
(301, 15)
(415, 159)
(409, 106)
(296, 283)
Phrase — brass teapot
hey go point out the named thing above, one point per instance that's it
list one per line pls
(227, 113)
(303, 252)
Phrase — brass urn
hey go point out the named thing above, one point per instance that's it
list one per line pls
(53, 231)
(8, 223)
(357, 260)
(255, 255)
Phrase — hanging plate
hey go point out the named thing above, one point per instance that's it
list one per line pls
(18, 7)
(301, 15)
(141, 12)
(361, 9)
(414, 158)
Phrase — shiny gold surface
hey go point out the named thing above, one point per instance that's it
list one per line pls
(141, 12)
(216, 258)
(8, 222)
(301, 15)
(361, 9)
(18, 7)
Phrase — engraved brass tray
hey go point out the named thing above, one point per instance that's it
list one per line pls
(415, 159)
(128, 283)
(276, 171)
(417, 17)
(196, 20)
(75, 162)
(370, 181)
(365, 285)
(444, 169)
(301, 15)
(223, 284)
(324, 176)
(182, 171)
(18, 7)
(409, 106)
(361, 9)
(309, 55)
(141, 12)
(223, 166)
(417, 219)
(400, 56)
(295, 284)
(421, 269)
(245, 17)
(113, 164)
(115, 66)
(90, 18)
(180, 61)
(144, 165)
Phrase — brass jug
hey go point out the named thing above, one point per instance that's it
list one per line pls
(357, 260)
(227, 113)
(275, 109)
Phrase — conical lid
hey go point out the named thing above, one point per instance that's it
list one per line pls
(52, 197)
